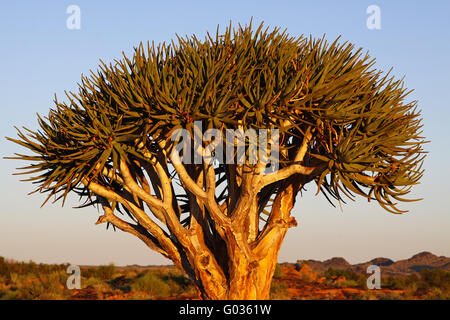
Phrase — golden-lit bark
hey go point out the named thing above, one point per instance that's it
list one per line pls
(222, 248)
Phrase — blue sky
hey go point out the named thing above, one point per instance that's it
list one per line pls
(39, 57)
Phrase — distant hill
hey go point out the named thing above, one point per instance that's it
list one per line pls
(422, 260)
(335, 263)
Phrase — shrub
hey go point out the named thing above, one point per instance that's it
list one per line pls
(106, 272)
(349, 283)
(153, 284)
(437, 294)
(9, 295)
(395, 282)
(91, 281)
(435, 278)
(278, 291)
(54, 285)
(278, 271)
(178, 283)
(31, 290)
(353, 278)
(14, 277)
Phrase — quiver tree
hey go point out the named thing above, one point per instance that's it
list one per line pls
(341, 124)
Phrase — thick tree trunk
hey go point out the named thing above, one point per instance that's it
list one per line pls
(249, 274)
(247, 280)
(250, 279)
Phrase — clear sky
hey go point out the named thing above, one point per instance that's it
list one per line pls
(40, 56)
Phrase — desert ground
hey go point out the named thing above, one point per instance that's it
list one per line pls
(423, 276)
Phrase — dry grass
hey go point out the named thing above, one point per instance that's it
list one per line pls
(31, 281)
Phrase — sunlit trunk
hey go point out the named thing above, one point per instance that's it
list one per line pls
(245, 279)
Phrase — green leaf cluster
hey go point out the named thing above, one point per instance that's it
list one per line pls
(362, 128)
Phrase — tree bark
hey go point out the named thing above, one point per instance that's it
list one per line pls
(247, 280)
(252, 280)
(221, 247)
(249, 275)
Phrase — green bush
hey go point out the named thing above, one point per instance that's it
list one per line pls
(349, 283)
(106, 272)
(54, 284)
(435, 278)
(398, 282)
(152, 284)
(14, 277)
(91, 281)
(9, 295)
(278, 271)
(352, 278)
(22, 268)
(178, 283)
(31, 290)
(278, 291)
(437, 294)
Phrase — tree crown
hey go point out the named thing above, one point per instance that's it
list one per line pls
(352, 121)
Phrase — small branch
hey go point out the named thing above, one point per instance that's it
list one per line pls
(199, 192)
(135, 230)
(214, 208)
(140, 215)
(286, 172)
(151, 201)
(112, 175)
(304, 147)
(185, 178)
(172, 219)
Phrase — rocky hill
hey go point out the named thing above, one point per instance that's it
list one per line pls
(422, 260)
